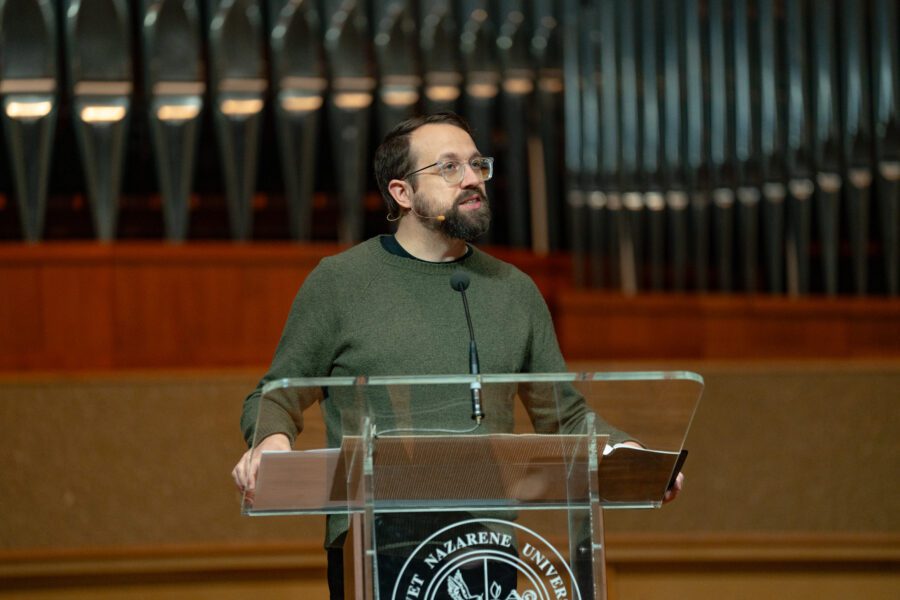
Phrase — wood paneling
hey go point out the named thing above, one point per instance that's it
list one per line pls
(87, 306)
(136, 305)
(594, 325)
(115, 485)
(645, 567)
(143, 459)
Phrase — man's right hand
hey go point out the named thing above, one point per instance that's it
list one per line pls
(244, 472)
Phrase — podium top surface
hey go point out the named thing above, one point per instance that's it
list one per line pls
(488, 378)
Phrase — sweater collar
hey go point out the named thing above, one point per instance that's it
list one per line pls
(414, 264)
(390, 243)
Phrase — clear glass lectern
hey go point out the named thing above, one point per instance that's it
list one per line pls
(431, 505)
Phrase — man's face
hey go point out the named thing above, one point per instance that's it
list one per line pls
(464, 205)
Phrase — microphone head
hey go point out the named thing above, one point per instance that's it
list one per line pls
(459, 281)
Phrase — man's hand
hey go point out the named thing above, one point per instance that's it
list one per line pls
(676, 489)
(244, 472)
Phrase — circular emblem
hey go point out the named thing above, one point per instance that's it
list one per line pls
(485, 559)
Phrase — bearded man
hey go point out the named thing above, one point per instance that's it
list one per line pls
(386, 307)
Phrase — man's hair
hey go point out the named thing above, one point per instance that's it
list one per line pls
(393, 159)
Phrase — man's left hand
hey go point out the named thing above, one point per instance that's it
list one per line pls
(672, 493)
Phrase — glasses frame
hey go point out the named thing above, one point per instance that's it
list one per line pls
(462, 172)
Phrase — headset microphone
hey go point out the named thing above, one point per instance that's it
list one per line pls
(438, 218)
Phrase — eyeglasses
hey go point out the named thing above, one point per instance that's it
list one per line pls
(453, 171)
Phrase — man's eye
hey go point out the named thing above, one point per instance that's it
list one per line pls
(450, 167)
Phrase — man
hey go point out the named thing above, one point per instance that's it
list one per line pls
(385, 307)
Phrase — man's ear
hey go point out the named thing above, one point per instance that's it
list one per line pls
(401, 192)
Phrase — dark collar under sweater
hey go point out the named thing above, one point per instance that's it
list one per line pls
(390, 243)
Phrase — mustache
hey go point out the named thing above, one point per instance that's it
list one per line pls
(468, 194)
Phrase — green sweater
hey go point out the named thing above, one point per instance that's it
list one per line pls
(369, 312)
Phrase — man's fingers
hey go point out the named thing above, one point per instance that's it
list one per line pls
(252, 468)
(244, 472)
(676, 489)
(237, 474)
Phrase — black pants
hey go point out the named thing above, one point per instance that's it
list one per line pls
(336, 573)
(388, 571)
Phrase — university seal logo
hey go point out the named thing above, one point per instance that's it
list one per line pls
(485, 559)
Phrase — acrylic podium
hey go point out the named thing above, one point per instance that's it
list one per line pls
(431, 506)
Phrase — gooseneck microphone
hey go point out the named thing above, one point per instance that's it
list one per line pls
(459, 281)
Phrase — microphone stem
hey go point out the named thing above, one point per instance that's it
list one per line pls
(471, 329)
(474, 367)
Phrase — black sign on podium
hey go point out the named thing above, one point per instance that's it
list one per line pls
(431, 505)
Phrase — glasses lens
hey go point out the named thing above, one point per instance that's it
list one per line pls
(483, 167)
(451, 171)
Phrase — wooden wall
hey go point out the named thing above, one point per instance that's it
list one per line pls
(123, 368)
(90, 306)
(117, 485)
(639, 568)
(739, 327)
(147, 305)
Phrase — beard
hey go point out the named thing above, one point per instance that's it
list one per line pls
(466, 225)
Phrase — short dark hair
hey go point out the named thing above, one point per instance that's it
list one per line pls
(393, 159)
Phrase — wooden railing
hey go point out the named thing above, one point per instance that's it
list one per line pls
(77, 306)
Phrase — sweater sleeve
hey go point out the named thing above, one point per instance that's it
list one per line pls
(306, 349)
(555, 408)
